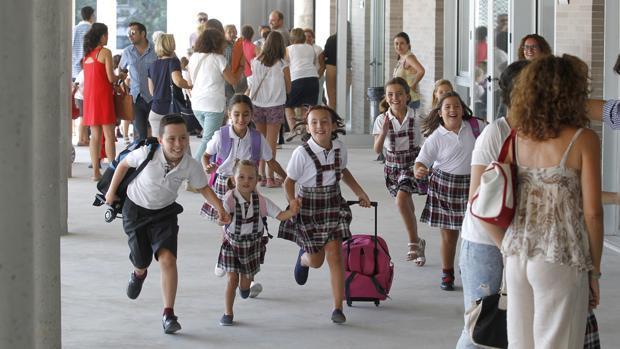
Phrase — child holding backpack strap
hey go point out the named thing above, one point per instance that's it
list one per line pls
(150, 211)
(243, 247)
(235, 142)
(451, 132)
(324, 217)
(398, 132)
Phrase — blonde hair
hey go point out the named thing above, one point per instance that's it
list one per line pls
(165, 45)
(439, 83)
(298, 36)
(238, 164)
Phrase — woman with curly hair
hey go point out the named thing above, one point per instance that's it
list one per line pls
(533, 46)
(98, 100)
(553, 247)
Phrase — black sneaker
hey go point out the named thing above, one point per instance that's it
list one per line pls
(447, 282)
(135, 285)
(338, 316)
(301, 272)
(226, 320)
(170, 324)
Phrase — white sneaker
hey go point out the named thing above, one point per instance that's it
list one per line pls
(219, 272)
(255, 289)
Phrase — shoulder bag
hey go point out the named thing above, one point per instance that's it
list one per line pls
(495, 199)
(485, 320)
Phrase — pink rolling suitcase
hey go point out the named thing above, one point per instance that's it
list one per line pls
(368, 267)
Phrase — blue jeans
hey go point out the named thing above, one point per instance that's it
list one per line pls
(210, 123)
(481, 268)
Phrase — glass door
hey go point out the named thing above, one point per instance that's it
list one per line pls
(490, 56)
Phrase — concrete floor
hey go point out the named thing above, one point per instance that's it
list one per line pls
(96, 312)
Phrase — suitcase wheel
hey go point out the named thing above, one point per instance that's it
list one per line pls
(349, 303)
(377, 303)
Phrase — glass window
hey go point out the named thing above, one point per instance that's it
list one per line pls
(151, 13)
(462, 34)
(79, 4)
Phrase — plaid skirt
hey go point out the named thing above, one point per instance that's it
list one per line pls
(324, 216)
(398, 173)
(220, 187)
(446, 201)
(243, 254)
(592, 340)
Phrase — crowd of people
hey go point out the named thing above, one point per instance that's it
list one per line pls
(242, 91)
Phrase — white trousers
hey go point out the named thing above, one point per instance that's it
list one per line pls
(547, 304)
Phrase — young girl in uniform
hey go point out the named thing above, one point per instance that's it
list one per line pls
(401, 138)
(451, 132)
(243, 145)
(323, 221)
(243, 246)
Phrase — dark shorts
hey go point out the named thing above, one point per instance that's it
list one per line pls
(148, 231)
(304, 91)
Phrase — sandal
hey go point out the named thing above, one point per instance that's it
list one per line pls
(416, 252)
(262, 180)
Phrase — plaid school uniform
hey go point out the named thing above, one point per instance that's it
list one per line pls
(324, 214)
(220, 187)
(398, 171)
(243, 253)
(446, 201)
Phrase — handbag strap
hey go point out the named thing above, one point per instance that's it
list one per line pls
(253, 96)
(508, 143)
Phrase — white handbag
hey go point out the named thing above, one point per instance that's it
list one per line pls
(495, 199)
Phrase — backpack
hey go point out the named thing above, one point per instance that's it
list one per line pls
(368, 267)
(226, 147)
(104, 184)
(473, 122)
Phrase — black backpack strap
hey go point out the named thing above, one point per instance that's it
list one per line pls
(149, 157)
(347, 286)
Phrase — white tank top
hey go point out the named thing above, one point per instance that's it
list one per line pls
(301, 58)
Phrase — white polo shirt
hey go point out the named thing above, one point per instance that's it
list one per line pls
(241, 149)
(448, 151)
(153, 188)
(272, 211)
(402, 143)
(488, 146)
(301, 167)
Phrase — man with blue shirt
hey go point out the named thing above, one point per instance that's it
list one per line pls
(137, 57)
(77, 49)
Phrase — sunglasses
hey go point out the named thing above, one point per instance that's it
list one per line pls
(132, 33)
(202, 19)
(531, 48)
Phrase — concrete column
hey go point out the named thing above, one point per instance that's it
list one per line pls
(304, 14)
(34, 35)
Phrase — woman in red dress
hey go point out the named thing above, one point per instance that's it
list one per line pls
(98, 99)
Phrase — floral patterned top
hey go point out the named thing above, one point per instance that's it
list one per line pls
(549, 221)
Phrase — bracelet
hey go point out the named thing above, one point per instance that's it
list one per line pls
(595, 276)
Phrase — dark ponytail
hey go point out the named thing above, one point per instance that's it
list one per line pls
(93, 37)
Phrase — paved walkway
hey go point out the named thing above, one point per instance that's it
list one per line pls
(96, 312)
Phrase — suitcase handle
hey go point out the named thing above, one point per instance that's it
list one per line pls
(374, 204)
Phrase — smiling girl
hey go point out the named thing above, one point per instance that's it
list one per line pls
(324, 217)
(398, 132)
(447, 149)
